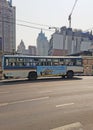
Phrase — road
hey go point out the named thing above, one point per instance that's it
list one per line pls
(46, 104)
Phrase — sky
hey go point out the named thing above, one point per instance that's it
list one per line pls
(53, 13)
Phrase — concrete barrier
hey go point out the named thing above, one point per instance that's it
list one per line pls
(74, 126)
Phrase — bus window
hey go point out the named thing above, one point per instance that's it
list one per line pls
(34, 62)
(78, 62)
(55, 62)
(20, 62)
(6, 62)
(73, 61)
(10, 61)
(49, 62)
(67, 61)
(14, 64)
(42, 62)
(70, 62)
(61, 61)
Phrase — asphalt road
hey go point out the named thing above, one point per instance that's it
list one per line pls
(46, 104)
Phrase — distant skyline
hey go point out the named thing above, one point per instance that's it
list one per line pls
(51, 13)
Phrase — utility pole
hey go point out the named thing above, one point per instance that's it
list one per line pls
(69, 17)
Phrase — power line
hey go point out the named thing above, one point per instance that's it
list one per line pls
(32, 23)
(23, 25)
(24, 21)
(34, 27)
(28, 26)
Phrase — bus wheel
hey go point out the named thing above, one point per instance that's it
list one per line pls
(5, 77)
(70, 74)
(32, 76)
(63, 76)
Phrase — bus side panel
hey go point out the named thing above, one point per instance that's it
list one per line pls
(51, 70)
(75, 69)
(17, 73)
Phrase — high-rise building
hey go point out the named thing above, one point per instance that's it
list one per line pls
(21, 49)
(67, 41)
(32, 50)
(7, 26)
(42, 44)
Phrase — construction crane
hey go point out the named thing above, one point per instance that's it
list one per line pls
(56, 28)
(69, 18)
(10, 2)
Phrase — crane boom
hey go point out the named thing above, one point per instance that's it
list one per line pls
(69, 18)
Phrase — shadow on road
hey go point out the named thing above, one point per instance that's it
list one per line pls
(25, 81)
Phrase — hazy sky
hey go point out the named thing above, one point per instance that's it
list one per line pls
(51, 13)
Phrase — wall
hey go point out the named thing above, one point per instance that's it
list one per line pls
(88, 65)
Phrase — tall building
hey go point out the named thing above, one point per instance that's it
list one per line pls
(32, 50)
(57, 44)
(67, 41)
(42, 44)
(7, 26)
(21, 49)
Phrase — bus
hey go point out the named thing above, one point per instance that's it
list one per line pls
(32, 67)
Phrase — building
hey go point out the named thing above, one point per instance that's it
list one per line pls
(68, 41)
(21, 49)
(42, 44)
(7, 27)
(57, 44)
(32, 50)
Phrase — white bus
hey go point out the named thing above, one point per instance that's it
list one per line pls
(32, 67)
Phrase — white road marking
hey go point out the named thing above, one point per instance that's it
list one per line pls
(23, 101)
(45, 91)
(67, 104)
(73, 126)
(3, 104)
(29, 100)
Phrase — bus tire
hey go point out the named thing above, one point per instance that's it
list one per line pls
(63, 76)
(70, 74)
(32, 75)
(5, 77)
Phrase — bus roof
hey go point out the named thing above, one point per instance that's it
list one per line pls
(27, 56)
